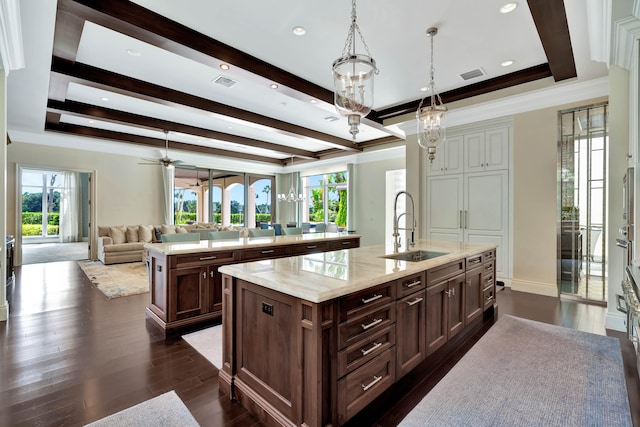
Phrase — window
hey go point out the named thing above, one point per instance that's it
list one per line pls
(41, 203)
(326, 199)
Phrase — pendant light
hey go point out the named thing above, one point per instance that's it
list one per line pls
(431, 118)
(353, 78)
(292, 196)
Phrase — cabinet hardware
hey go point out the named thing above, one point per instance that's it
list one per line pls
(490, 297)
(204, 258)
(267, 252)
(312, 247)
(204, 274)
(158, 268)
(474, 261)
(376, 345)
(460, 219)
(451, 292)
(466, 219)
(468, 282)
(212, 273)
(372, 383)
(373, 298)
(346, 243)
(370, 325)
(414, 302)
(412, 284)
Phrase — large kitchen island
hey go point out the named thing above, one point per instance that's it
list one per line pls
(312, 339)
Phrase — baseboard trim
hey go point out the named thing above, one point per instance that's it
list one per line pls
(616, 322)
(4, 312)
(546, 289)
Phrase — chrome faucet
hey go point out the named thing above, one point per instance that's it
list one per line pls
(396, 222)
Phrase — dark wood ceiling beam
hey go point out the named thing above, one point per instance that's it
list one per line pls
(152, 142)
(118, 83)
(121, 117)
(486, 86)
(550, 19)
(135, 21)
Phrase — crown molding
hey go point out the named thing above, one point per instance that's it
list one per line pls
(599, 29)
(11, 47)
(625, 33)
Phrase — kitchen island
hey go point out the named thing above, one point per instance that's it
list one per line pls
(185, 287)
(311, 340)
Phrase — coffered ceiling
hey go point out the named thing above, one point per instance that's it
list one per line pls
(127, 71)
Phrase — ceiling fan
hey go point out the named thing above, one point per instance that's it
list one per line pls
(165, 160)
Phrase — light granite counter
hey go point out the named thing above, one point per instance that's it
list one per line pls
(179, 248)
(324, 276)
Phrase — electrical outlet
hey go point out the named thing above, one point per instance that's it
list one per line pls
(267, 308)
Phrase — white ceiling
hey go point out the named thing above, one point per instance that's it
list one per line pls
(472, 34)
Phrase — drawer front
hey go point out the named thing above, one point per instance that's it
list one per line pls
(361, 352)
(359, 388)
(366, 301)
(474, 261)
(265, 253)
(335, 245)
(489, 297)
(488, 280)
(204, 258)
(361, 327)
(489, 256)
(489, 267)
(410, 284)
(438, 274)
(309, 248)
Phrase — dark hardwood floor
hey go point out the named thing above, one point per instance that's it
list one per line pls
(70, 356)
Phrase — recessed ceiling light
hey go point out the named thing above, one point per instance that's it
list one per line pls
(424, 88)
(224, 66)
(133, 52)
(104, 98)
(507, 63)
(299, 31)
(313, 101)
(508, 7)
(273, 86)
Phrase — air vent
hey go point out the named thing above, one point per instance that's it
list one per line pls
(472, 74)
(225, 81)
(331, 118)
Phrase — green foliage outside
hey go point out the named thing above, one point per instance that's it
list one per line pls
(36, 218)
(337, 208)
(36, 230)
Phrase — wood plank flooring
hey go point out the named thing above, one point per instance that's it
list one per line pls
(70, 356)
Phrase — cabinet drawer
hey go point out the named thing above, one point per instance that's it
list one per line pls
(335, 245)
(366, 301)
(437, 274)
(488, 281)
(264, 253)
(361, 352)
(203, 258)
(489, 255)
(488, 297)
(474, 261)
(360, 387)
(309, 248)
(489, 267)
(410, 284)
(360, 327)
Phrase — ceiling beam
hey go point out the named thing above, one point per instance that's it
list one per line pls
(79, 109)
(98, 78)
(151, 142)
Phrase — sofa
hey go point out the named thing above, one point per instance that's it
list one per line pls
(125, 243)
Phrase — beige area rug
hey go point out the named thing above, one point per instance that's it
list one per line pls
(207, 342)
(117, 280)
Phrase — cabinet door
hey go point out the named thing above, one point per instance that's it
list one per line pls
(473, 305)
(410, 326)
(436, 310)
(496, 149)
(214, 289)
(445, 208)
(188, 292)
(448, 158)
(455, 302)
(474, 152)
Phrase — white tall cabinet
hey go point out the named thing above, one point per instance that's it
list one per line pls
(468, 191)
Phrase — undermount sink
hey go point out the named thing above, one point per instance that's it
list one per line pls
(415, 256)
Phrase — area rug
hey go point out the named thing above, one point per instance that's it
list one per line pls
(166, 410)
(526, 373)
(207, 342)
(117, 280)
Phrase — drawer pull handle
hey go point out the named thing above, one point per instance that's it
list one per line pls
(376, 345)
(212, 273)
(412, 284)
(373, 298)
(204, 258)
(346, 243)
(469, 282)
(375, 381)
(489, 298)
(312, 246)
(204, 274)
(474, 261)
(270, 251)
(414, 302)
(370, 325)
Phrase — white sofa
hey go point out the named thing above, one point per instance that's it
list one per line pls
(125, 243)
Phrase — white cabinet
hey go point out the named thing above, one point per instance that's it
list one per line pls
(448, 158)
(484, 151)
(471, 208)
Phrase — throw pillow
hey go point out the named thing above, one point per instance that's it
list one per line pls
(145, 233)
(167, 229)
(157, 235)
(132, 234)
(181, 230)
(118, 235)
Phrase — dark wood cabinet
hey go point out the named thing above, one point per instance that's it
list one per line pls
(473, 305)
(410, 327)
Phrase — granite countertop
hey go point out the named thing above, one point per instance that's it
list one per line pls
(243, 243)
(324, 276)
